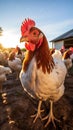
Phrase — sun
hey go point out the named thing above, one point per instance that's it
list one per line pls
(9, 39)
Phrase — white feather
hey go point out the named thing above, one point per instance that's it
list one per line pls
(45, 86)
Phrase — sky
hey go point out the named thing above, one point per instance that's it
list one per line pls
(53, 17)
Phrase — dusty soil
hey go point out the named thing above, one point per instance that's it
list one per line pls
(16, 108)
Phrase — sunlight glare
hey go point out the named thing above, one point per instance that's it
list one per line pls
(9, 39)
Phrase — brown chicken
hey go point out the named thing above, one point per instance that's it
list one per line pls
(43, 74)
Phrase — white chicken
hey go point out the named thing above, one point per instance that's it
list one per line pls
(3, 72)
(42, 74)
(66, 57)
(15, 64)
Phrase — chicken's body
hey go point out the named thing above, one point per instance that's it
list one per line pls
(52, 84)
(15, 64)
(3, 72)
(42, 74)
(48, 86)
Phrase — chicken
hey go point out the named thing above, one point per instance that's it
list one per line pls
(3, 58)
(19, 53)
(43, 74)
(62, 50)
(52, 50)
(67, 58)
(15, 64)
(3, 72)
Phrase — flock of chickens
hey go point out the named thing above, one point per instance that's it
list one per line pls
(9, 63)
(42, 70)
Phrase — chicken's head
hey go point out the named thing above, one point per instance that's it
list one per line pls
(68, 54)
(12, 56)
(31, 35)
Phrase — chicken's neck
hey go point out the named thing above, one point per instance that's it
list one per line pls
(43, 58)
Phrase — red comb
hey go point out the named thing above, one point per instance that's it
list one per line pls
(63, 47)
(71, 48)
(26, 25)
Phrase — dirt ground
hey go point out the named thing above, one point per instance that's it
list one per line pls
(16, 108)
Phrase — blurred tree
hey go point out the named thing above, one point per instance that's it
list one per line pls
(1, 31)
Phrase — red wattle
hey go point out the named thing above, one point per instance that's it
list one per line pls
(30, 46)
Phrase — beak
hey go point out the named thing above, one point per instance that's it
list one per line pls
(22, 39)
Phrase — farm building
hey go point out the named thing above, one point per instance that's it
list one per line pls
(65, 40)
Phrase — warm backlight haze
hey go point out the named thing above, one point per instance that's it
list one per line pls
(10, 39)
(53, 17)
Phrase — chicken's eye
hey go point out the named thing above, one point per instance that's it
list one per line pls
(34, 33)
